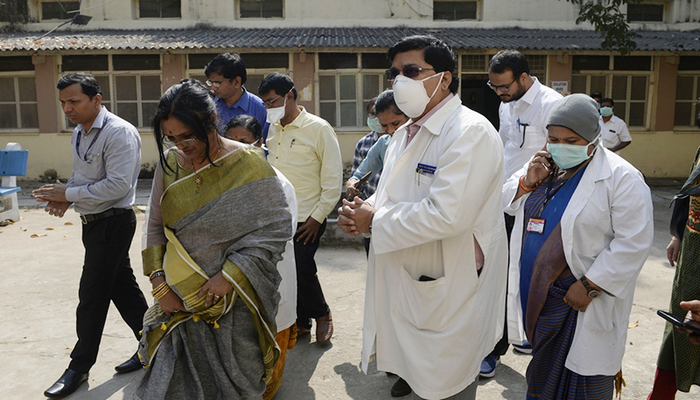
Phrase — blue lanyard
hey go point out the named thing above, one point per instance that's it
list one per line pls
(94, 139)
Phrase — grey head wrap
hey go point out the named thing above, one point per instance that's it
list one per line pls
(579, 113)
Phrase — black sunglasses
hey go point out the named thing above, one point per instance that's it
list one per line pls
(410, 71)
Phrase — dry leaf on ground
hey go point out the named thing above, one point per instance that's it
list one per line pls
(633, 324)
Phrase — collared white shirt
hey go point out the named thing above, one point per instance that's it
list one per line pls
(614, 132)
(523, 126)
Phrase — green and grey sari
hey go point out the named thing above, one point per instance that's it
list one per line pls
(236, 222)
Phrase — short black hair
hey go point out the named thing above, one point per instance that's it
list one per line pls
(278, 82)
(435, 52)
(385, 102)
(192, 104)
(229, 65)
(512, 60)
(87, 82)
(608, 100)
(251, 124)
(597, 95)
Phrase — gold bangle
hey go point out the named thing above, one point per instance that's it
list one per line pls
(162, 294)
(163, 287)
(159, 296)
(159, 290)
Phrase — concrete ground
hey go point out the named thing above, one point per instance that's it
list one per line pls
(38, 295)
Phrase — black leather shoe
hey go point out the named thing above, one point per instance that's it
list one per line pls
(68, 383)
(400, 388)
(129, 365)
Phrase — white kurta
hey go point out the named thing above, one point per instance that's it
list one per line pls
(287, 312)
(607, 232)
(434, 334)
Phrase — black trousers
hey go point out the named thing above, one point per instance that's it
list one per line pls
(502, 346)
(107, 276)
(366, 241)
(310, 300)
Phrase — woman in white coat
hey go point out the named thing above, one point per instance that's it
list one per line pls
(586, 220)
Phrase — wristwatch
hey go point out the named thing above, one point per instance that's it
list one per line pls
(592, 293)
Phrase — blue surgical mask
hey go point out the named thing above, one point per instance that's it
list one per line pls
(606, 111)
(567, 155)
(373, 123)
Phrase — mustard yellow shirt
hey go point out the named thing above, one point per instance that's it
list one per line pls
(306, 151)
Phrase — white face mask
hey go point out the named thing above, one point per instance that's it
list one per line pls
(277, 113)
(411, 96)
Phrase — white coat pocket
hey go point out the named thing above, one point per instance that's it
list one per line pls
(599, 314)
(425, 179)
(422, 303)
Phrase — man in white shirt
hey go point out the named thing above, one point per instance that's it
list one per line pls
(525, 106)
(523, 113)
(613, 130)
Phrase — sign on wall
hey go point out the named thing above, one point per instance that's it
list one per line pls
(560, 86)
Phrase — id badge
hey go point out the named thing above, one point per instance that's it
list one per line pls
(535, 225)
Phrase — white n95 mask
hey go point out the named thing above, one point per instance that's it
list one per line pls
(276, 114)
(411, 96)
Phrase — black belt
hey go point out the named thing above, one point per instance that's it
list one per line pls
(105, 214)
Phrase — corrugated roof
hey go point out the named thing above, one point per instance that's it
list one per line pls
(290, 38)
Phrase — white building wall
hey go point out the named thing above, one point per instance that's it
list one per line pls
(524, 11)
(683, 11)
(528, 14)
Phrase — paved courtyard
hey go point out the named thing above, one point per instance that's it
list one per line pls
(41, 259)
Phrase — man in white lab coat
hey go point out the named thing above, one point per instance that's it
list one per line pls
(436, 277)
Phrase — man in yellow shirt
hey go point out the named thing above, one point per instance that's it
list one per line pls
(305, 149)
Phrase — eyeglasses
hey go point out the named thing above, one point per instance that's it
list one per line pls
(270, 102)
(214, 84)
(180, 143)
(410, 71)
(502, 88)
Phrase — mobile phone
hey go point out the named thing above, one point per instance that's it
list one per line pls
(425, 278)
(364, 179)
(552, 165)
(678, 321)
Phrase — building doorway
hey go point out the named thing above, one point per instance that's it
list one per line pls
(480, 98)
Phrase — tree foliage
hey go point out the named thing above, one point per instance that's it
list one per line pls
(609, 22)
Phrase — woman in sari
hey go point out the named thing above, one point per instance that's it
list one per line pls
(586, 220)
(678, 365)
(217, 224)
